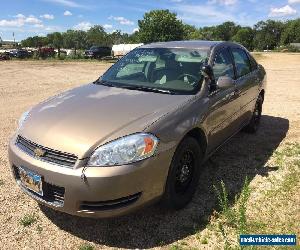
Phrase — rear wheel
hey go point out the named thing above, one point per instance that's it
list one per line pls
(183, 174)
(253, 125)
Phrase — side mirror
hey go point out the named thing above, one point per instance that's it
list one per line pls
(207, 72)
(225, 82)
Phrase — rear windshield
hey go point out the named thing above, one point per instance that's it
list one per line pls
(173, 69)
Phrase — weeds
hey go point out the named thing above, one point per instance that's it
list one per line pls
(176, 247)
(28, 219)
(1, 182)
(223, 232)
(86, 246)
(243, 199)
(223, 203)
(291, 150)
(39, 229)
(289, 158)
(204, 240)
(182, 246)
(222, 198)
(279, 158)
(235, 217)
(231, 218)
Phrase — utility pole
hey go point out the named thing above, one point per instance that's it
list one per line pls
(14, 39)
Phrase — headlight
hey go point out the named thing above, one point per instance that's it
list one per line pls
(23, 118)
(125, 150)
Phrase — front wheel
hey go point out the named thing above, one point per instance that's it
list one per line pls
(253, 125)
(183, 174)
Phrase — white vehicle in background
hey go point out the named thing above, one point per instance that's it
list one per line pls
(120, 50)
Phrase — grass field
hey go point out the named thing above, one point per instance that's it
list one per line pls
(251, 185)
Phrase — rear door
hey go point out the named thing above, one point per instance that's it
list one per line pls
(246, 82)
(222, 119)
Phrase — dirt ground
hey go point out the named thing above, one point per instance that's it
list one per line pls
(23, 84)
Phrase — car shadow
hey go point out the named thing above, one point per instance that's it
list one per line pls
(244, 155)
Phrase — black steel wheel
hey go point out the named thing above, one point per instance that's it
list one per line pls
(183, 175)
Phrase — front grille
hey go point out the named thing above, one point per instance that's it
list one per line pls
(111, 204)
(51, 193)
(50, 155)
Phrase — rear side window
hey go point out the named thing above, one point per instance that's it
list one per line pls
(223, 64)
(242, 62)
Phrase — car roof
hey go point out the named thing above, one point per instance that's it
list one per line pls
(190, 44)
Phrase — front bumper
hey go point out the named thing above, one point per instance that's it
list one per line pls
(105, 192)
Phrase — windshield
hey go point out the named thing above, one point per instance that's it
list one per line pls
(175, 70)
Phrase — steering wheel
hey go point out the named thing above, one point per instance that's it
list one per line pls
(190, 77)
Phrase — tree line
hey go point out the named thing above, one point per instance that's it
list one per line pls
(163, 25)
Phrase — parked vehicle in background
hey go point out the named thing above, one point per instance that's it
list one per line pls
(97, 52)
(139, 133)
(46, 52)
(30, 52)
(20, 53)
(4, 56)
(61, 51)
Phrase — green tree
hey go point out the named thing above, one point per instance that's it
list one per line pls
(69, 39)
(116, 37)
(225, 31)
(74, 39)
(133, 38)
(97, 36)
(80, 39)
(35, 41)
(207, 33)
(267, 34)
(160, 26)
(191, 33)
(245, 37)
(56, 40)
(291, 32)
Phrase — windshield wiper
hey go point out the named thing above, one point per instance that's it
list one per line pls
(105, 83)
(135, 87)
(148, 89)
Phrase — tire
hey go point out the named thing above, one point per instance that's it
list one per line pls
(254, 123)
(183, 175)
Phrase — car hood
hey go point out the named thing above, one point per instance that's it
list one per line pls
(80, 119)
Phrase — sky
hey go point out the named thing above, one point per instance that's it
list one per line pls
(25, 18)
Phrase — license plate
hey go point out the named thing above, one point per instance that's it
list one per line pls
(31, 180)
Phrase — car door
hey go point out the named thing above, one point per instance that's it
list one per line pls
(246, 82)
(223, 115)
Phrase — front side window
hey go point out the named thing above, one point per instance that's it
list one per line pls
(242, 62)
(223, 65)
(173, 69)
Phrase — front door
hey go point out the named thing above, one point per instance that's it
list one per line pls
(223, 116)
(246, 83)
